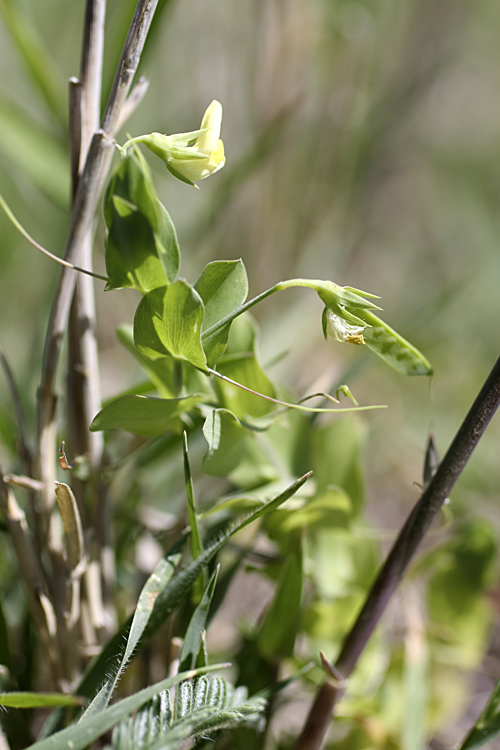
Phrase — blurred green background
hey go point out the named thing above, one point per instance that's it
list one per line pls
(362, 143)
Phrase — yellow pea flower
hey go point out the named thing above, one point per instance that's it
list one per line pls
(190, 156)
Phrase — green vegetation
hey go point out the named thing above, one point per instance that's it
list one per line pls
(203, 534)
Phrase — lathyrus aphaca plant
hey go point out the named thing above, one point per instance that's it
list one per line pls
(196, 341)
(197, 345)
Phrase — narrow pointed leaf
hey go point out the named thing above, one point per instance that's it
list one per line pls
(196, 543)
(164, 604)
(80, 735)
(194, 634)
(157, 581)
(36, 57)
(38, 700)
(487, 727)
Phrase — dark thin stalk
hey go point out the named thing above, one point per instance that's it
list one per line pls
(403, 550)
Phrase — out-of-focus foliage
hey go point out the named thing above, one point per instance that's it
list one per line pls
(361, 141)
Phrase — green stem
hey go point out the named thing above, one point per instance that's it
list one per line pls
(287, 405)
(240, 310)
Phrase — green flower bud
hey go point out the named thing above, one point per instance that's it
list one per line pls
(190, 156)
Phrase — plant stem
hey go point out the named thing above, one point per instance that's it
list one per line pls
(87, 195)
(404, 548)
(279, 287)
(83, 380)
(91, 178)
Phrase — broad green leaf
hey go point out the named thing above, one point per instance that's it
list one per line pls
(80, 735)
(142, 251)
(391, 347)
(328, 620)
(131, 256)
(35, 152)
(168, 320)
(276, 639)
(194, 633)
(160, 371)
(226, 438)
(334, 563)
(130, 189)
(38, 700)
(167, 244)
(145, 415)
(240, 363)
(223, 287)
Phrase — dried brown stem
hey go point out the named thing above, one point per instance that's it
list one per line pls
(87, 195)
(32, 575)
(92, 151)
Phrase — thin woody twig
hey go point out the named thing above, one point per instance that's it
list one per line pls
(133, 100)
(128, 64)
(401, 554)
